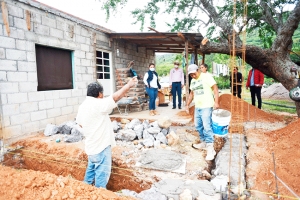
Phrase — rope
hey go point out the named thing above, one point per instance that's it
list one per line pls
(134, 177)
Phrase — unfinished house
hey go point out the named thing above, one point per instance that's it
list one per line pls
(47, 58)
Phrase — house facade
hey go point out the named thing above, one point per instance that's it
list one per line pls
(47, 59)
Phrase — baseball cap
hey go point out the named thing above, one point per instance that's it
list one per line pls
(176, 62)
(192, 68)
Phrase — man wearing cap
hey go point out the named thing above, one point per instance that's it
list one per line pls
(202, 85)
(176, 83)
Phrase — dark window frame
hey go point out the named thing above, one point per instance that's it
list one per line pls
(54, 68)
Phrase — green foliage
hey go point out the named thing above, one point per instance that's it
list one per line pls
(222, 82)
(164, 69)
(112, 5)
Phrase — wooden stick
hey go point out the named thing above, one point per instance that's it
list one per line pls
(28, 19)
(5, 17)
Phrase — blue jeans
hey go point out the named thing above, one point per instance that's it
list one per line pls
(203, 124)
(176, 88)
(99, 168)
(152, 93)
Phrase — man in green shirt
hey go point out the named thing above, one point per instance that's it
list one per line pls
(204, 91)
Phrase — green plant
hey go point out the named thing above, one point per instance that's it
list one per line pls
(222, 82)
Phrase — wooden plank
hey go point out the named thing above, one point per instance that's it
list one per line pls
(185, 39)
(186, 70)
(27, 12)
(5, 17)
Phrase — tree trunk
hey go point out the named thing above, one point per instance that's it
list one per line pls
(270, 63)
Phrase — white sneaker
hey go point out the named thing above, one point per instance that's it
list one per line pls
(201, 145)
(210, 151)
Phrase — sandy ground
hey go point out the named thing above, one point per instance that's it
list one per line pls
(69, 163)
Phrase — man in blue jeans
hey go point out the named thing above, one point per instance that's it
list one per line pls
(176, 83)
(93, 117)
(204, 91)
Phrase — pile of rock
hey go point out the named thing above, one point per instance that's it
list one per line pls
(149, 134)
(72, 131)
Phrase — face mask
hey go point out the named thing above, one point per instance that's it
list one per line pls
(176, 66)
(152, 69)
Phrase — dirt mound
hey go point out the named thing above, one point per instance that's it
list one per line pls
(28, 184)
(42, 153)
(275, 91)
(284, 143)
(243, 111)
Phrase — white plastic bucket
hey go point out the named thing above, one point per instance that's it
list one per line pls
(220, 122)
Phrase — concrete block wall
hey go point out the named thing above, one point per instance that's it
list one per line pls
(128, 52)
(25, 110)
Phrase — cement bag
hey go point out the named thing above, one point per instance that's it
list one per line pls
(220, 122)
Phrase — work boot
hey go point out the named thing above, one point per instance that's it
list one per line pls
(201, 145)
(155, 112)
(210, 151)
(151, 113)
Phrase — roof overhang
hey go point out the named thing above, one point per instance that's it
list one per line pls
(162, 41)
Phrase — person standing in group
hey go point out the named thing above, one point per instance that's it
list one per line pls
(93, 118)
(176, 83)
(152, 85)
(204, 68)
(236, 84)
(201, 87)
(255, 82)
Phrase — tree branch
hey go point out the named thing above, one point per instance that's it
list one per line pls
(219, 21)
(284, 40)
(268, 17)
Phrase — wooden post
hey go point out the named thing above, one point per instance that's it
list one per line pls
(203, 59)
(186, 70)
(196, 56)
(5, 17)
(28, 19)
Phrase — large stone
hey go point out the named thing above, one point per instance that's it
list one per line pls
(151, 194)
(146, 124)
(127, 135)
(162, 138)
(139, 130)
(173, 139)
(154, 124)
(165, 131)
(164, 123)
(50, 129)
(115, 126)
(153, 130)
(148, 142)
(133, 123)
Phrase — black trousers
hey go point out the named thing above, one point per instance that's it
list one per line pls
(176, 88)
(237, 90)
(256, 91)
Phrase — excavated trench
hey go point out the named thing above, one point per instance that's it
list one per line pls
(34, 155)
(42, 153)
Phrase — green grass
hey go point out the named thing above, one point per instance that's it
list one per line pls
(279, 107)
(269, 108)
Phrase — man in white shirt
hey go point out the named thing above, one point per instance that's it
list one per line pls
(93, 117)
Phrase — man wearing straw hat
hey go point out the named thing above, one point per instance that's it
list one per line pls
(201, 87)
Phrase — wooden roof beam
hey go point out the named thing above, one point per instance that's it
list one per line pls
(184, 39)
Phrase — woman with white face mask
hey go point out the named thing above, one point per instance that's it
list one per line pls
(152, 85)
